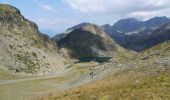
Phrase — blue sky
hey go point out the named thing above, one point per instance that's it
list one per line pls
(50, 15)
(55, 16)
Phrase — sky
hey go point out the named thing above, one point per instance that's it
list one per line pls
(55, 16)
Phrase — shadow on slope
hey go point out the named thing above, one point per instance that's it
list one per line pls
(81, 43)
(96, 59)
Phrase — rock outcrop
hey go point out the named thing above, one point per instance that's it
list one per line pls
(23, 48)
(88, 40)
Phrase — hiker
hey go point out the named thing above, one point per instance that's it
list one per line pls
(92, 74)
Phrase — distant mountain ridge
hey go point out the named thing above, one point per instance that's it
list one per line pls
(62, 35)
(132, 24)
(127, 25)
(127, 32)
(130, 32)
(88, 40)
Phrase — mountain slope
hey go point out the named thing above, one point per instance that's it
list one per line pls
(62, 35)
(144, 76)
(156, 22)
(22, 47)
(127, 25)
(139, 42)
(142, 36)
(132, 24)
(88, 40)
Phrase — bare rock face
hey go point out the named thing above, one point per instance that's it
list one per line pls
(88, 40)
(23, 48)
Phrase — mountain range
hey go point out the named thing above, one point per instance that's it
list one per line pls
(128, 32)
(87, 40)
(130, 25)
(81, 40)
(129, 60)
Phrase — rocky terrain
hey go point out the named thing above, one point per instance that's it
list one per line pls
(23, 48)
(88, 40)
(62, 35)
(142, 76)
(34, 66)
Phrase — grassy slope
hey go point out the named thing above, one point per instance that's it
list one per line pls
(6, 75)
(151, 88)
(26, 87)
(148, 78)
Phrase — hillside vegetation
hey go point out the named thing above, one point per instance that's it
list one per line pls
(146, 78)
(84, 63)
(23, 48)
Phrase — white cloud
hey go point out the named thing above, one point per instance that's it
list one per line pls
(47, 7)
(120, 7)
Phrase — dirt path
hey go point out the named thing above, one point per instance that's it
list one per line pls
(26, 89)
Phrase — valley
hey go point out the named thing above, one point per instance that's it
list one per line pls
(19, 87)
(129, 60)
(143, 77)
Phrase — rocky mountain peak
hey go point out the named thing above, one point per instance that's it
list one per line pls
(23, 47)
(94, 29)
(9, 9)
(9, 13)
(156, 21)
(77, 26)
(127, 25)
(88, 40)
